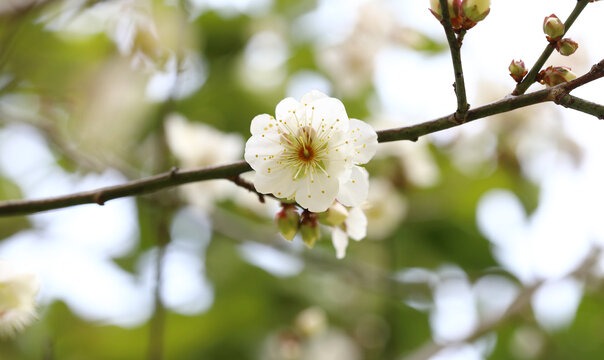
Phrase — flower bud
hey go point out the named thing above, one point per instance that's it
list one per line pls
(437, 11)
(309, 228)
(555, 75)
(553, 27)
(517, 70)
(288, 221)
(475, 10)
(334, 216)
(566, 46)
(454, 12)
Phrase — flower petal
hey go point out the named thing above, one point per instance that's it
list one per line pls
(311, 96)
(329, 112)
(262, 124)
(278, 183)
(364, 140)
(340, 242)
(317, 193)
(354, 191)
(262, 150)
(356, 224)
(286, 114)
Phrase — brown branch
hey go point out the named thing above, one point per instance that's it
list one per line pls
(241, 182)
(558, 94)
(576, 103)
(454, 47)
(137, 187)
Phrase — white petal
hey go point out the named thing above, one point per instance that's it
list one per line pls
(262, 124)
(316, 194)
(364, 140)
(356, 224)
(311, 96)
(354, 191)
(286, 114)
(278, 183)
(340, 242)
(340, 158)
(329, 112)
(262, 151)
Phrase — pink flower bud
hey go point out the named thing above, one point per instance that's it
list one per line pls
(288, 221)
(553, 27)
(555, 75)
(309, 228)
(475, 10)
(566, 46)
(517, 70)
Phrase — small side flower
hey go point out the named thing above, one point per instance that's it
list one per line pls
(344, 223)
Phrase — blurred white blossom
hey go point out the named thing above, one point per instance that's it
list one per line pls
(198, 145)
(385, 208)
(419, 167)
(17, 299)
(351, 62)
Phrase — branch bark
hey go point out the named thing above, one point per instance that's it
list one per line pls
(558, 94)
(455, 49)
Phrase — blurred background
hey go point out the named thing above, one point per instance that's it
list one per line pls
(505, 211)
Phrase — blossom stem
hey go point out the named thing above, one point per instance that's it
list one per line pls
(558, 94)
(529, 79)
(455, 49)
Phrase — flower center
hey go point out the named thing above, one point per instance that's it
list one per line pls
(304, 151)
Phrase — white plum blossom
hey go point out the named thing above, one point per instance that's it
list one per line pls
(310, 152)
(17, 299)
(355, 227)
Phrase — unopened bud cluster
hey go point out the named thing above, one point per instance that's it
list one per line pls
(555, 75)
(290, 222)
(554, 29)
(464, 14)
(344, 222)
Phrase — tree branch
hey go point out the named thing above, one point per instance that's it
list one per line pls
(588, 107)
(529, 79)
(454, 47)
(558, 94)
(137, 187)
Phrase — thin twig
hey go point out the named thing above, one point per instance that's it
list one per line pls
(529, 79)
(454, 47)
(178, 177)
